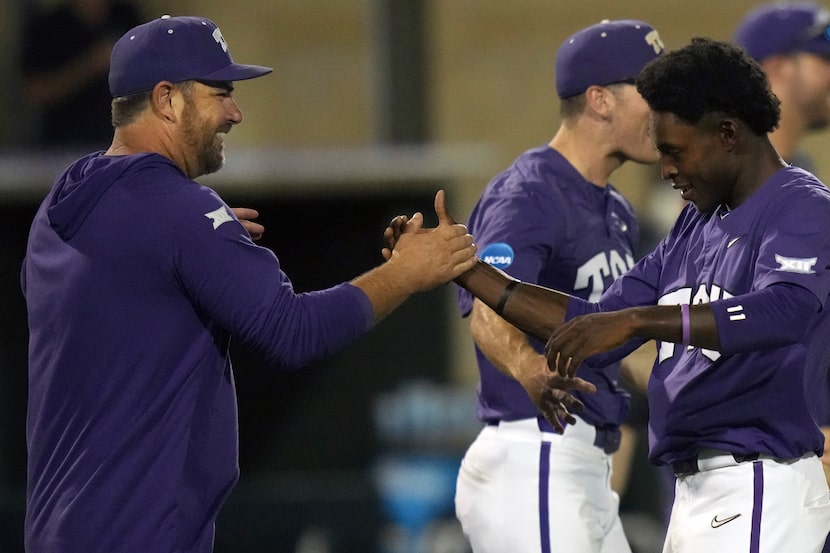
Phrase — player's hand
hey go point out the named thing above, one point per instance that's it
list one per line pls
(549, 392)
(397, 226)
(246, 216)
(584, 336)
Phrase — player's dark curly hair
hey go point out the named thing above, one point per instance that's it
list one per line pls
(709, 76)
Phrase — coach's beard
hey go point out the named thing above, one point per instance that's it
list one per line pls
(206, 146)
(212, 158)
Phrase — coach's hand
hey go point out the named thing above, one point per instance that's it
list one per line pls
(434, 256)
(401, 224)
(246, 216)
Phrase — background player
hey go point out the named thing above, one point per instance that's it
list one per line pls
(552, 218)
(792, 44)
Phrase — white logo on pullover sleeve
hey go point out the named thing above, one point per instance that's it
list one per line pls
(796, 264)
(219, 216)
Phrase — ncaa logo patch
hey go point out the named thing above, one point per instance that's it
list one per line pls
(498, 254)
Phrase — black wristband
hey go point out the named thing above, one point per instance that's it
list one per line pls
(504, 295)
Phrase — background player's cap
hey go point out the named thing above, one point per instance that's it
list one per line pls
(785, 29)
(605, 53)
(174, 49)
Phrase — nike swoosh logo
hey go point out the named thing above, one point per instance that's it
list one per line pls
(732, 242)
(718, 523)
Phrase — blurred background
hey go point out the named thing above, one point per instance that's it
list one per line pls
(372, 107)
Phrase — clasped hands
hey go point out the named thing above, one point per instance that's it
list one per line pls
(549, 391)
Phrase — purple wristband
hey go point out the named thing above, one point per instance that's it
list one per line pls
(684, 317)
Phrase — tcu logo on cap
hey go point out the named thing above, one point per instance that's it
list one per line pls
(653, 40)
(220, 40)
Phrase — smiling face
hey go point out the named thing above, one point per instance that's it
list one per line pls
(697, 159)
(209, 113)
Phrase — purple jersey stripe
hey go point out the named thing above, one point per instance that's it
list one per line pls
(757, 507)
(544, 495)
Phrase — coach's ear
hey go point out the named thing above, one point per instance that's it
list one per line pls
(163, 100)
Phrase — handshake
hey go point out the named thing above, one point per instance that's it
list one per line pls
(536, 310)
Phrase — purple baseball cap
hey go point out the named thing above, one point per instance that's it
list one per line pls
(605, 53)
(785, 29)
(174, 49)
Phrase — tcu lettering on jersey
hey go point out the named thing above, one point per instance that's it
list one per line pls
(603, 267)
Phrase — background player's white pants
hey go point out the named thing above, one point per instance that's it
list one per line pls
(783, 507)
(498, 494)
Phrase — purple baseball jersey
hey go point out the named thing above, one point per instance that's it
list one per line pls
(760, 401)
(542, 222)
(136, 278)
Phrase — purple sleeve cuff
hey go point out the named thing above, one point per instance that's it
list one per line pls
(772, 317)
(366, 310)
(578, 306)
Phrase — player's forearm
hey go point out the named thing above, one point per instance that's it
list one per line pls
(505, 346)
(665, 323)
(534, 309)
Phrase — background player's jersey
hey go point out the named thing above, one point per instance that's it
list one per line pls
(757, 402)
(542, 222)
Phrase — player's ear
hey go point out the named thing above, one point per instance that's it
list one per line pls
(599, 100)
(730, 130)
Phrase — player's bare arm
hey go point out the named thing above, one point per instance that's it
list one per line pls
(510, 352)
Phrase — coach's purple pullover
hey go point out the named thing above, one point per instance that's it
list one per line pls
(135, 280)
